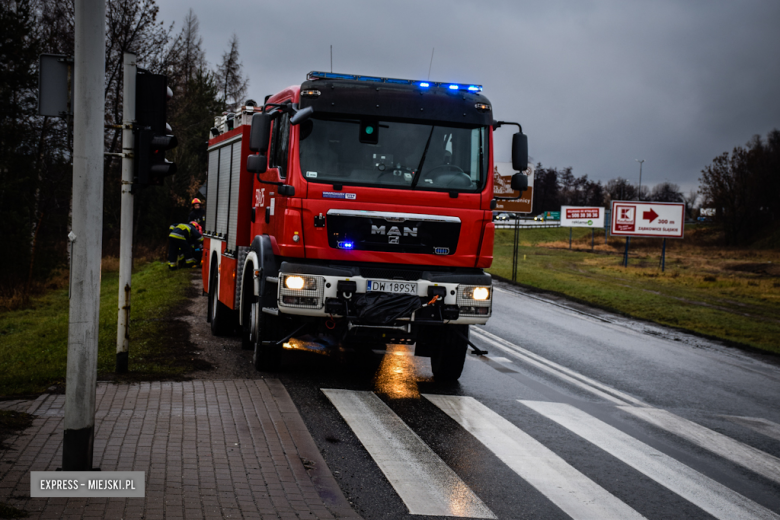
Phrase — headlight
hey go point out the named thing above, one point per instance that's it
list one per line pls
(481, 293)
(301, 291)
(474, 300)
(296, 282)
(476, 293)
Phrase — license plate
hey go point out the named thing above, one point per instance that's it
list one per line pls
(392, 287)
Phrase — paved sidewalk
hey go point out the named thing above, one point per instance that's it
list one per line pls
(210, 449)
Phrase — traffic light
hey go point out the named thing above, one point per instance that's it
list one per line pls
(152, 134)
(150, 163)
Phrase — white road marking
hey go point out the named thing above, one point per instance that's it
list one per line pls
(762, 426)
(755, 460)
(502, 360)
(423, 481)
(577, 495)
(591, 385)
(712, 497)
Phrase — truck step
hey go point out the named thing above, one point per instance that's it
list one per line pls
(271, 310)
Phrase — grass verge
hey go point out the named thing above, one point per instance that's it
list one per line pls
(34, 340)
(728, 294)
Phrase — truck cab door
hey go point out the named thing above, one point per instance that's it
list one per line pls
(271, 204)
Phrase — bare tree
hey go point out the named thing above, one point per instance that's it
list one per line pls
(231, 78)
(186, 55)
(619, 189)
(666, 192)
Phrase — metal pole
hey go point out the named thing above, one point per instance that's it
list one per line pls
(83, 321)
(625, 254)
(515, 250)
(663, 257)
(639, 193)
(126, 222)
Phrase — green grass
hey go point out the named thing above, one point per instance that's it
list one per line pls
(33, 341)
(733, 295)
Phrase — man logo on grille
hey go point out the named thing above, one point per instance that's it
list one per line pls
(394, 231)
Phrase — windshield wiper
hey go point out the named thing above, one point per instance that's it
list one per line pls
(422, 160)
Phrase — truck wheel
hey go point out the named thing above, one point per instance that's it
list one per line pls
(247, 297)
(265, 327)
(217, 309)
(449, 355)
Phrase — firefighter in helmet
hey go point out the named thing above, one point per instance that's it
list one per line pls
(183, 240)
(198, 214)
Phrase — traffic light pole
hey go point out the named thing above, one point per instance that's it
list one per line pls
(87, 242)
(126, 222)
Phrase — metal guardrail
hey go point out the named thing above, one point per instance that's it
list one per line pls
(510, 224)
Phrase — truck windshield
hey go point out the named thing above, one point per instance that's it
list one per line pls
(388, 153)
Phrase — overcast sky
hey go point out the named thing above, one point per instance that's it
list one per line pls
(595, 84)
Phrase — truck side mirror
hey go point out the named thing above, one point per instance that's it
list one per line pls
(301, 115)
(260, 133)
(519, 152)
(519, 182)
(256, 163)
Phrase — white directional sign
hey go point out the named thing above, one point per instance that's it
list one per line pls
(582, 216)
(647, 219)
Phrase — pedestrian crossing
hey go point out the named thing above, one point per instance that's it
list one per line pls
(573, 492)
(427, 486)
(423, 481)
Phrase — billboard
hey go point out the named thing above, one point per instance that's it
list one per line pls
(582, 216)
(502, 176)
(647, 219)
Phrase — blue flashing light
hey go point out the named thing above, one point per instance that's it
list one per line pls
(397, 81)
(346, 245)
(330, 75)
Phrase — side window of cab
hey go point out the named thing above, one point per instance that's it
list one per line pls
(280, 144)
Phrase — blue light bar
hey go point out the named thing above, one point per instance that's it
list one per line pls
(398, 81)
(422, 84)
(345, 244)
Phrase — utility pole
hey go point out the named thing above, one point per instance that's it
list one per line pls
(639, 193)
(126, 222)
(83, 321)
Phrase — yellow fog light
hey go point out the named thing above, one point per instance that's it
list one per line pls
(294, 282)
(481, 293)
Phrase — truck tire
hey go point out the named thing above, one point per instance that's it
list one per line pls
(449, 355)
(265, 327)
(220, 319)
(247, 297)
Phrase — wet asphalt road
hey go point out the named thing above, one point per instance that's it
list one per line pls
(673, 395)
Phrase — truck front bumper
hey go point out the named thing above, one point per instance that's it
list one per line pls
(464, 297)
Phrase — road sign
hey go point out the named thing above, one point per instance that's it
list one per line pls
(55, 85)
(502, 175)
(577, 216)
(647, 219)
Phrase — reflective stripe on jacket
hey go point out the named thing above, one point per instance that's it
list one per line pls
(185, 232)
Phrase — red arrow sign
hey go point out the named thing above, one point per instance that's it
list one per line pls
(650, 215)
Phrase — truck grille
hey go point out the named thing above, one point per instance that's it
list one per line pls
(390, 274)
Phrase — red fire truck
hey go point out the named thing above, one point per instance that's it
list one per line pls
(355, 209)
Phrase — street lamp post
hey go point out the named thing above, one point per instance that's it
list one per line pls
(639, 193)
